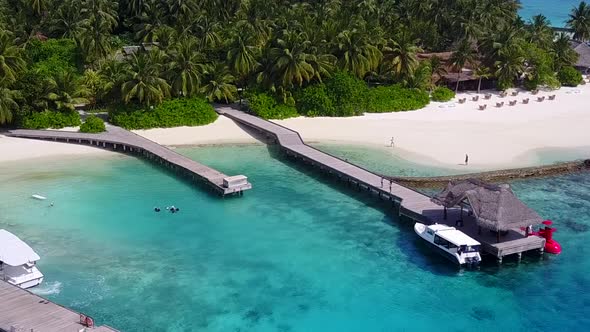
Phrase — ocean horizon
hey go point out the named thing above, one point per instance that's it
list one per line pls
(556, 11)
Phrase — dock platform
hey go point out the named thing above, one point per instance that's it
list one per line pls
(23, 311)
(121, 140)
(409, 203)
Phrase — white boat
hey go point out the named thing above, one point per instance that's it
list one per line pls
(18, 262)
(451, 243)
(39, 197)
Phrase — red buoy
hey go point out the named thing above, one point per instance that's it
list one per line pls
(551, 246)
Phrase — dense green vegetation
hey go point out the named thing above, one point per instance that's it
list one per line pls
(170, 113)
(442, 94)
(396, 98)
(569, 76)
(93, 124)
(55, 54)
(49, 119)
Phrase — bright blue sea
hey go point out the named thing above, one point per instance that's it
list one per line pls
(555, 10)
(296, 253)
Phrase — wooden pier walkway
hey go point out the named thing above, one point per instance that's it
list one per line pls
(23, 311)
(410, 203)
(121, 140)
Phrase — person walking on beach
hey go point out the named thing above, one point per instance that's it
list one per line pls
(466, 159)
(392, 142)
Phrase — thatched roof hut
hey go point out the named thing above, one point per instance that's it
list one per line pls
(495, 207)
(583, 51)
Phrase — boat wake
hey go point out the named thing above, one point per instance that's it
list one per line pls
(48, 288)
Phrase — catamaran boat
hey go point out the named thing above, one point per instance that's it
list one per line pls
(18, 262)
(451, 243)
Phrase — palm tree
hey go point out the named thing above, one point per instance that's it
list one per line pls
(242, 57)
(539, 31)
(65, 91)
(579, 21)
(219, 84)
(563, 54)
(144, 82)
(37, 6)
(11, 58)
(401, 55)
(112, 75)
(186, 67)
(509, 66)
(8, 104)
(421, 78)
(355, 53)
(480, 73)
(462, 55)
(94, 35)
(438, 69)
(66, 20)
(290, 60)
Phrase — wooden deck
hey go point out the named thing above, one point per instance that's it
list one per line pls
(27, 312)
(411, 203)
(121, 140)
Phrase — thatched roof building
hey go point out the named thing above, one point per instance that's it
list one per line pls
(495, 207)
(583, 51)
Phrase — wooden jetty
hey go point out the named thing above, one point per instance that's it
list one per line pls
(410, 204)
(121, 140)
(23, 311)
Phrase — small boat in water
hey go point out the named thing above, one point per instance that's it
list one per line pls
(18, 262)
(451, 243)
(39, 197)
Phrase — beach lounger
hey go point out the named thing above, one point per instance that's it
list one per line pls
(476, 98)
(514, 93)
(552, 97)
(483, 107)
(525, 101)
(462, 100)
(512, 103)
(503, 94)
(487, 96)
(534, 92)
(499, 104)
(540, 99)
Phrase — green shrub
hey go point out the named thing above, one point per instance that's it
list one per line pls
(347, 93)
(267, 107)
(569, 76)
(442, 94)
(93, 124)
(395, 98)
(53, 56)
(51, 119)
(171, 113)
(314, 101)
(530, 83)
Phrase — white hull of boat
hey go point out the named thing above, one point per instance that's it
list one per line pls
(21, 276)
(457, 257)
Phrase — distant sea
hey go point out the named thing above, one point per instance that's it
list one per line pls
(555, 10)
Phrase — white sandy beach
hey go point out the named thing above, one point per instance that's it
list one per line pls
(441, 133)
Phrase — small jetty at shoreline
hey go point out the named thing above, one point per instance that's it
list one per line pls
(121, 140)
(21, 310)
(409, 204)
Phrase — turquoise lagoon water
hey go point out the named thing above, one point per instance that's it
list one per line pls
(296, 253)
(556, 11)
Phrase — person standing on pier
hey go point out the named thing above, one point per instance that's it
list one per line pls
(466, 159)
